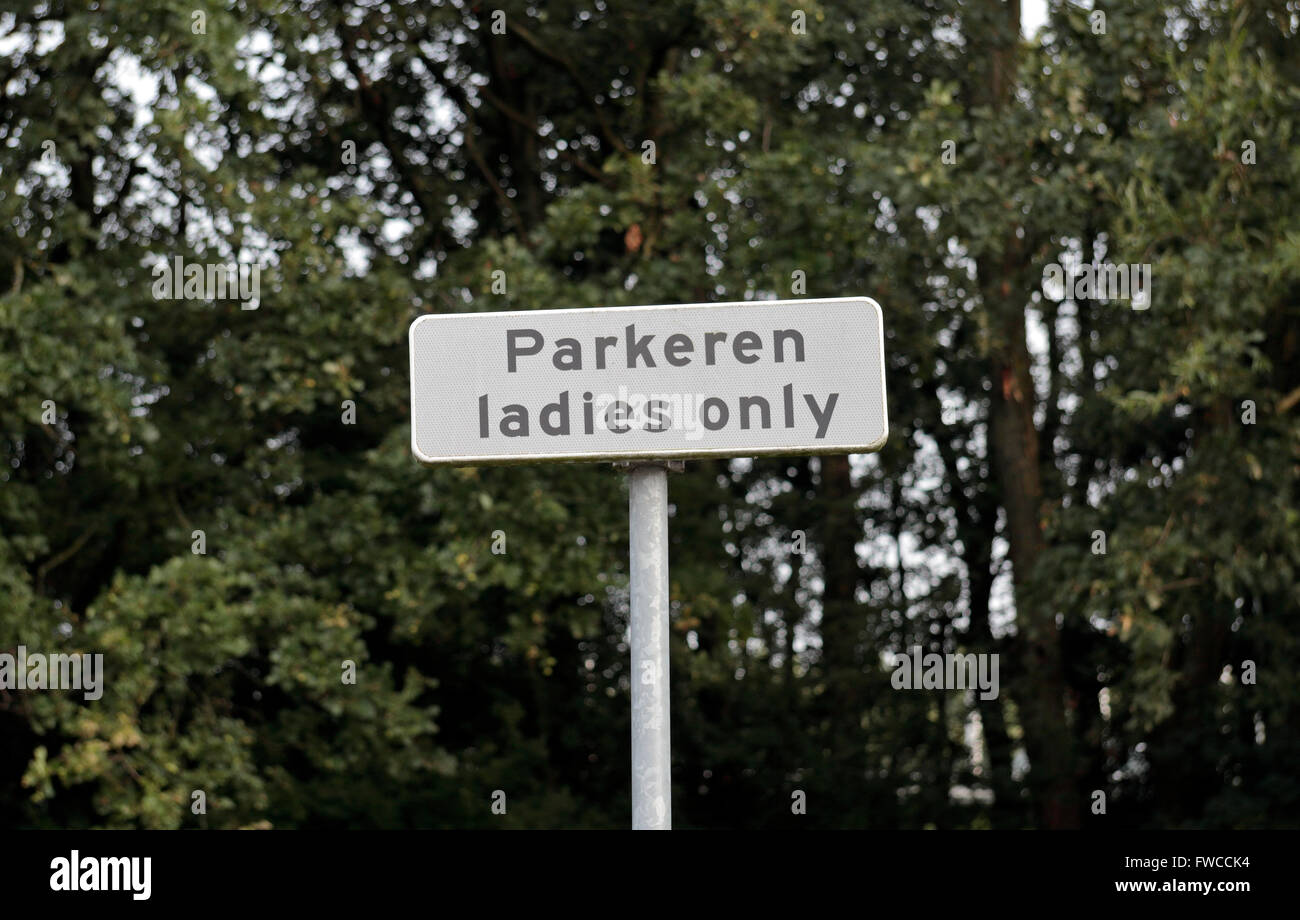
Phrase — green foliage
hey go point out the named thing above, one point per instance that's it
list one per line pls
(522, 153)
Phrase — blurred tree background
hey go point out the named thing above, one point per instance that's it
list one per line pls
(384, 157)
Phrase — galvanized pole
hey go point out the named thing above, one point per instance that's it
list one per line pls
(652, 804)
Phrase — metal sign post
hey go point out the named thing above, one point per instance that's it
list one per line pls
(647, 385)
(652, 805)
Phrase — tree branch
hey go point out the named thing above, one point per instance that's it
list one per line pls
(534, 45)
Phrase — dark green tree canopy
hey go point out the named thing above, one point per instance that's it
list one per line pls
(1100, 491)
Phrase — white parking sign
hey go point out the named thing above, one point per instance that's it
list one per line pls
(777, 377)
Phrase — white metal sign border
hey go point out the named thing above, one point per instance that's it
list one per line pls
(659, 454)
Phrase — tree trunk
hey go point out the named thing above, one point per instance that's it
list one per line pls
(1014, 450)
(841, 626)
